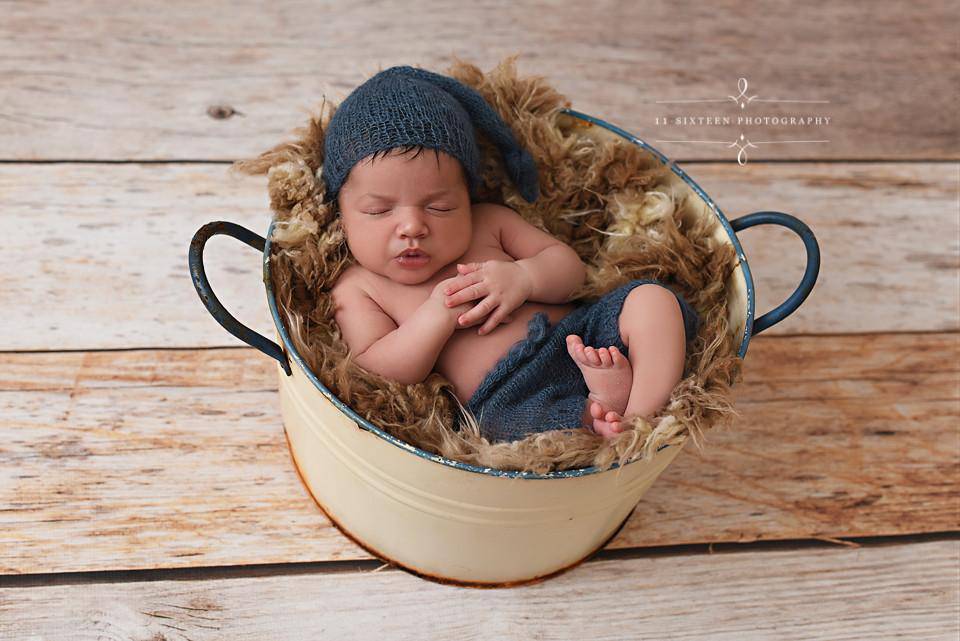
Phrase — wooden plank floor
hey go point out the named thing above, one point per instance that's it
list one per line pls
(108, 82)
(128, 229)
(146, 491)
(135, 456)
(876, 592)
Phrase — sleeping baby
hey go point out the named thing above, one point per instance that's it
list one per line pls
(471, 290)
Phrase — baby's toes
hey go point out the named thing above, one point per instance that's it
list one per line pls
(614, 422)
(573, 340)
(575, 349)
(597, 410)
(592, 357)
(605, 429)
(606, 360)
(617, 356)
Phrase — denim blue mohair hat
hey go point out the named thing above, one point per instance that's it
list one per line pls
(408, 106)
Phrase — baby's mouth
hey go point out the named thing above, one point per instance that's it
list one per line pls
(413, 258)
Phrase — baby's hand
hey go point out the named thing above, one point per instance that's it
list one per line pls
(438, 300)
(505, 285)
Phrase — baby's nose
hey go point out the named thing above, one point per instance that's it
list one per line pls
(412, 224)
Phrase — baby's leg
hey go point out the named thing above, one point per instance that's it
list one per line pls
(606, 373)
(608, 376)
(651, 326)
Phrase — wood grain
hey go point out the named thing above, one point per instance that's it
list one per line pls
(105, 248)
(170, 455)
(167, 458)
(219, 80)
(906, 591)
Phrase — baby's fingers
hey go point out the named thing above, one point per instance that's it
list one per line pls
(478, 312)
(467, 292)
(492, 321)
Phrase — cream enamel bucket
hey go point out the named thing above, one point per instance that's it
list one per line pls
(448, 521)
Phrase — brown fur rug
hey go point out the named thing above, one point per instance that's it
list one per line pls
(625, 213)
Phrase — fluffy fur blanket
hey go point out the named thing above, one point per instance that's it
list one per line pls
(626, 214)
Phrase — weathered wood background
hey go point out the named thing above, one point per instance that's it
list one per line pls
(145, 487)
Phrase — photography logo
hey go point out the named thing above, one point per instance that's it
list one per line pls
(741, 142)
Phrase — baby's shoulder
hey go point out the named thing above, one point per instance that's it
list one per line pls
(490, 218)
(356, 297)
(490, 212)
(351, 283)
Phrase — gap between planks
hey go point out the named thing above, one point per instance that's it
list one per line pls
(692, 161)
(200, 573)
(173, 348)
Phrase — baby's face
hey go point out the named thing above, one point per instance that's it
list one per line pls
(401, 201)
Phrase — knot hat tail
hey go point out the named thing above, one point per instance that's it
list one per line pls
(523, 172)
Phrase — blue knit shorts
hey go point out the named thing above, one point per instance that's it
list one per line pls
(537, 386)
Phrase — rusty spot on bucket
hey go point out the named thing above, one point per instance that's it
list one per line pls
(581, 124)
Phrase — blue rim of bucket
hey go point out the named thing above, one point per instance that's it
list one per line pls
(436, 458)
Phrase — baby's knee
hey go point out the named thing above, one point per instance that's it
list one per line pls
(652, 313)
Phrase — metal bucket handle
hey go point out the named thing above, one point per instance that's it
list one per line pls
(210, 300)
(776, 315)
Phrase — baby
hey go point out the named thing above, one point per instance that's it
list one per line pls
(473, 291)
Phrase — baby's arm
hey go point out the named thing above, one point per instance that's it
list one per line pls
(555, 269)
(406, 354)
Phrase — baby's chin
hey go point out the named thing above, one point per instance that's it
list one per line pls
(406, 275)
(410, 276)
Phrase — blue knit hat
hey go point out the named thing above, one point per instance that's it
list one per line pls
(408, 106)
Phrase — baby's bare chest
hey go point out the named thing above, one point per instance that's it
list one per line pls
(467, 356)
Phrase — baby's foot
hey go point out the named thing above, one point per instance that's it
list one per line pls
(607, 423)
(606, 372)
